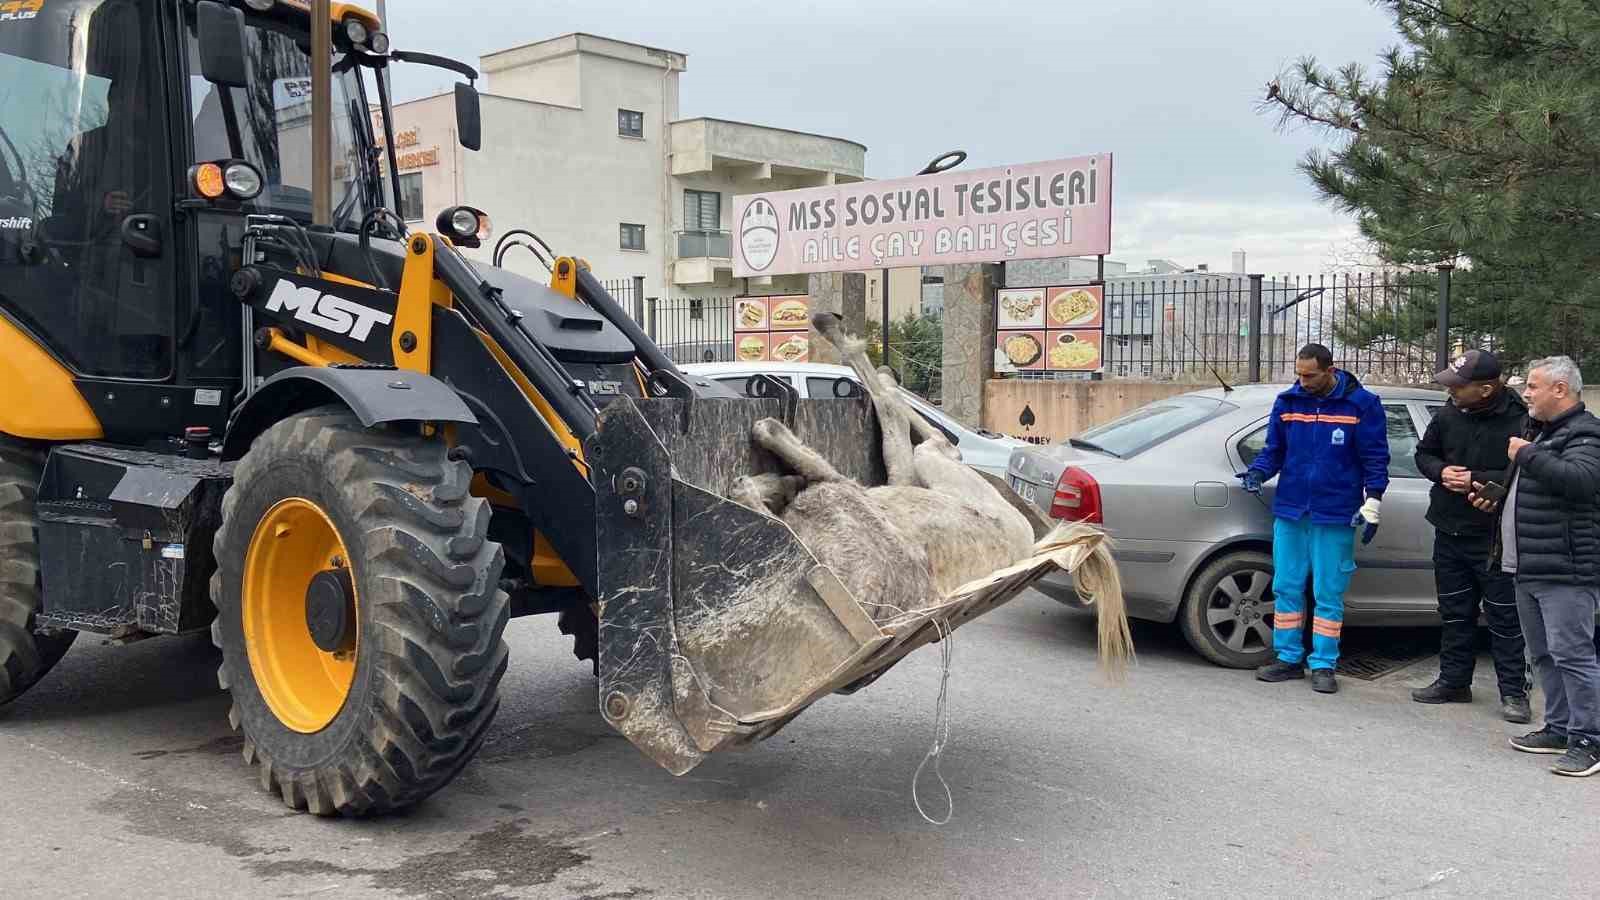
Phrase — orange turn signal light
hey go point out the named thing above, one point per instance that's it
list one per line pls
(208, 181)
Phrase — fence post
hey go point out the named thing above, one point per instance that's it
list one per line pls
(638, 298)
(1253, 323)
(650, 319)
(1441, 359)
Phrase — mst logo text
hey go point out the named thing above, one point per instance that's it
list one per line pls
(335, 314)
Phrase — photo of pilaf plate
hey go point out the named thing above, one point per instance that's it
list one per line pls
(1022, 349)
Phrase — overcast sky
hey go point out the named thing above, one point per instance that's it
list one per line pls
(1167, 86)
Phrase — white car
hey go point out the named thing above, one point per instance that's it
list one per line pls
(981, 449)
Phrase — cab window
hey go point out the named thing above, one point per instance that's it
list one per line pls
(83, 181)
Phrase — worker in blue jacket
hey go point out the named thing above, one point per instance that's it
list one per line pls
(1328, 441)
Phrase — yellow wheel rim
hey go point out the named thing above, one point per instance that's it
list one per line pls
(304, 685)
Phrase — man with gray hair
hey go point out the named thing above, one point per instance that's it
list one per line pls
(1549, 538)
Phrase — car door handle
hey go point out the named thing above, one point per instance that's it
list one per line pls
(142, 234)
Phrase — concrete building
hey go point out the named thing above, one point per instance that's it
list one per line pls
(584, 146)
(905, 293)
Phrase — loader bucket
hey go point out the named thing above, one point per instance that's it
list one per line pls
(717, 625)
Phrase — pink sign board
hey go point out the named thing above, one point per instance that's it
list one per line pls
(1034, 211)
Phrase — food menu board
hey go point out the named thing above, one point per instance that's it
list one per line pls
(1074, 351)
(1075, 307)
(1053, 329)
(1024, 350)
(772, 329)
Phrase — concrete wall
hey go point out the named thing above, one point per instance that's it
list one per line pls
(1061, 270)
(1062, 409)
(556, 80)
(698, 143)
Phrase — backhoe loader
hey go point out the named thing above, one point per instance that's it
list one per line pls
(237, 393)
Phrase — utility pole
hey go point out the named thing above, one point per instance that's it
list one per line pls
(1441, 350)
(383, 25)
(321, 113)
(886, 319)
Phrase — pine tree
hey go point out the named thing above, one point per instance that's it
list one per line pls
(1477, 147)
(916, 352)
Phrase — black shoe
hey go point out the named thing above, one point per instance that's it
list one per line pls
(1323, 682)
(1280, 671)
(1439, 692)
(1581, 760)
(1516, 709)
(1542, 741)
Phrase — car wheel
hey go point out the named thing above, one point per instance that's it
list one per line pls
(1227, 611)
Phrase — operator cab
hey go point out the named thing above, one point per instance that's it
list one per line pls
(118, 243)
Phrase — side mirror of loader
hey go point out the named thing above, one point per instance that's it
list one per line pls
(469, 116)
(221, 37)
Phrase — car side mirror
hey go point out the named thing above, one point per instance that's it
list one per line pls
(469, 116)
(221, 37)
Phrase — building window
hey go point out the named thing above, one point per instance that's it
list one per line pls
(1141, 309)
(630, 123)
(1116, 309)
(697, 308)
(411, 197)
(702, 211)
(632, 237)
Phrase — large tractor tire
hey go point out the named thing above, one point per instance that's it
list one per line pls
(25, 656)
(359, 614)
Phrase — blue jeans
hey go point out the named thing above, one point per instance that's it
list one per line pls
(1327, 555)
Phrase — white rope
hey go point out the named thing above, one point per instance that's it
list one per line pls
(941, 730)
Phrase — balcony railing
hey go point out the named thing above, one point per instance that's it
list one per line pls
(705, 245)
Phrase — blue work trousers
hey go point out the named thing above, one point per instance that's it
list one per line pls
(1325, 554)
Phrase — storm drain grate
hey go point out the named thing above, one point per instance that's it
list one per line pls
(1374, 655)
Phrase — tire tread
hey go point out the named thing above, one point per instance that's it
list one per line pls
(438, 614)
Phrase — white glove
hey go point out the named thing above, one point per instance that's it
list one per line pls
(1369, 511)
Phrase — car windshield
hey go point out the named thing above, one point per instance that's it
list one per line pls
(1151, 424)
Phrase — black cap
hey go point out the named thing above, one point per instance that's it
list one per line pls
(1469, 367)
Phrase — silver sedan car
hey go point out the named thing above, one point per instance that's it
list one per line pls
(1194, 547)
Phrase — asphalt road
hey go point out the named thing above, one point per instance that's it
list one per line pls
(119, 778)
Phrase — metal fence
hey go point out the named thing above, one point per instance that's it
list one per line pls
(629, 294)
(692, 329)
(1383, 326)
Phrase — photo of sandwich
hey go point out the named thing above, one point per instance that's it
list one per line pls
(1074, 307)
(750, 315)
(790, 313)
(793, 349)
(752, 348)
(1074, 351)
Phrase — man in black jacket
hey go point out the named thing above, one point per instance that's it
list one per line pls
(1550, 538)
(1464, 443)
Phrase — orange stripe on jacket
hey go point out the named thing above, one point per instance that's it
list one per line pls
(1288, 620)
(1319, 417)
(1326, 627)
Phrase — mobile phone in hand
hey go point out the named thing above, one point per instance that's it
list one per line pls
(1491, 490)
